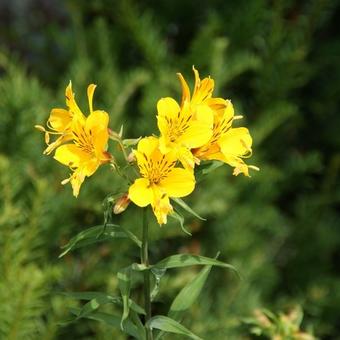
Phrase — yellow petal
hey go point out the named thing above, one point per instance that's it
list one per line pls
(71, 155)
(203, 89)
(178, 183)
(168, 107)
(90, 90)
(141, 193)
(185, 157)
(161, 206)
(185, 89)
(97, 120)
(71, 102)
(62, 139)
(148, 145)
(59, 120)
(236, 142)
(197, 134)
(76, 181)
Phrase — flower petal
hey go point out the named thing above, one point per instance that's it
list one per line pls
(200, 130)
(161, 206)
(70, 155)
(141, 193)
(59, 120)
(185, 89)
(178, 183)
(203, 89)
(71, 102)
(236, 142)
(90, 91)
(168, 107)
(148, 145)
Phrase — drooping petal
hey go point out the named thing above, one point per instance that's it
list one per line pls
(71, 155)
(90, 91)
(59, 119)
(238, 164)
(77, 180)
(161, 206)
(141, 193)
(178, 183)
(236, 142)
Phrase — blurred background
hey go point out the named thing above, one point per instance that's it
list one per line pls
(276, 60)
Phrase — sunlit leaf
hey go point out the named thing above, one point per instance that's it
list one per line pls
(169, 325)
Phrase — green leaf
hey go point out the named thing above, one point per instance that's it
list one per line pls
(93, 235)
(189, 294)
(132, 236)
(169, 325)
(158, 274)
(111, 320)
(103, 298)
(177, 216)
(182, 204)
(185, 260)
(124, 283)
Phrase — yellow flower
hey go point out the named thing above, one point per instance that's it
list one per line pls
(160, 179)
(60, 120)
(88, 150)
(226, 144)
(183, 129)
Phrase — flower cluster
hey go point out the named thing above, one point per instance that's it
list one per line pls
(198, 129)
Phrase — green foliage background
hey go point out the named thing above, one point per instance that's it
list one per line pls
(276, 60)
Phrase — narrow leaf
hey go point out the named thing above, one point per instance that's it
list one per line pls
(124, 283)
(93, 235)
(169, 325)
(158, 274)
(182, 204)
(185, 260)
(111, 320)
(189, 294)
(177, 216)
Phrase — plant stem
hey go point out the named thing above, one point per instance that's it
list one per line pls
(145, 261)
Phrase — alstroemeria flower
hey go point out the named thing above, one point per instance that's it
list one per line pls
(183, 129)
(60, 120)
(88, 150)
(227, 144)
(160, 179)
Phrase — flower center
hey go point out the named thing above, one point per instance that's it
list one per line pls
(177, 126)
(155, 169)
(84, 140)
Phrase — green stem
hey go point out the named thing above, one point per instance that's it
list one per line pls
(145, 261)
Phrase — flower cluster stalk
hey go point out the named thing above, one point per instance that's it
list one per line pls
(145, 261)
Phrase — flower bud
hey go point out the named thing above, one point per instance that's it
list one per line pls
(121, 204)
(131, 157)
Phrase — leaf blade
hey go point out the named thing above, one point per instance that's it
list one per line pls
(169, 325)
